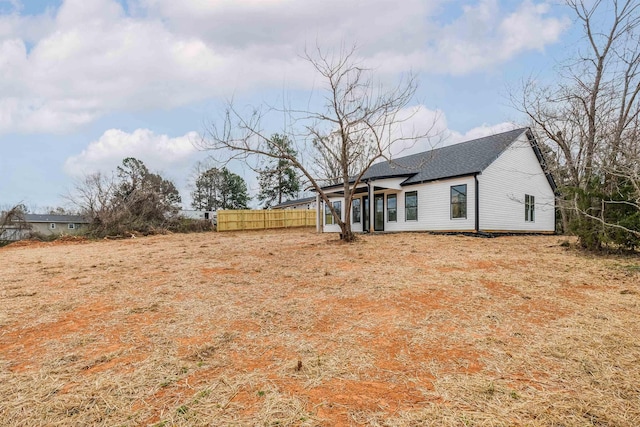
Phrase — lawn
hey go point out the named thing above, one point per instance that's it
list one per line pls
(295, 328)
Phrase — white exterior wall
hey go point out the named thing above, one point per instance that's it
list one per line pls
(191, 214)
(335, 228)
(502, 189)
(305, 206)
(434, 207)
(332, 228)
(356, 227)
(503, 185)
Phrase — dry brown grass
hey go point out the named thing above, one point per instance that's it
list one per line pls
(294, 328)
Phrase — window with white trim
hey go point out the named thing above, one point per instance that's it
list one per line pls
(52, 226)
(71, 226)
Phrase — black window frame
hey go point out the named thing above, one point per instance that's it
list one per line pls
(328, 216)
(529, 208)
(337, 206)
(393, 209)
(458, 207)
(409, 208)
(356, 207)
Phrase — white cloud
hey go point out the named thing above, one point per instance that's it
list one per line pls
(158, 152)
(65, 68)
(483, 36)
(482, 131)
(420, 120)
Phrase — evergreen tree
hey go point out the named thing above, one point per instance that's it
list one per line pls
(219, 189)
(278, 180)
(206, 191)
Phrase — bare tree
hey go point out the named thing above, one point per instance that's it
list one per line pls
(358, 122)
(135, 200)
(12, 224)
(590, 118)
(92, 195)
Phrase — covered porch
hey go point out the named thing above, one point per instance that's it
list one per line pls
(368, 208)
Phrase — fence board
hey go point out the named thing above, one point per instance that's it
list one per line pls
(262, 219)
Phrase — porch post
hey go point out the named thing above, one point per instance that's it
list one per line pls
(371, 210)
(318, 214)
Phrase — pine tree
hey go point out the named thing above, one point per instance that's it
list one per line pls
(219, 189)
(278, 180)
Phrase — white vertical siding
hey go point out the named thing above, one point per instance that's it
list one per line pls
(503, 186)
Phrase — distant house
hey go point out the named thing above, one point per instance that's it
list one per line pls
(56, 224)
(195, 214)
(304, 203)
(498, 183)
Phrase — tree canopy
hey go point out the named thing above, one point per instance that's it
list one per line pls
(216, 189)
(279, 179)
(134, 200)
(590, 120)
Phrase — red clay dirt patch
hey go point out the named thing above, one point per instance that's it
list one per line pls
(292, 328)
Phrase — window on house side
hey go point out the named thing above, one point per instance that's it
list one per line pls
(392, 208)
(411, 206)
(71, 226)
(337, 206)
(459, 201)
(356, 210)
(529, 208)
(328, 217)
(52, 226)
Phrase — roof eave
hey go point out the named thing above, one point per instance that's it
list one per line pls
(424, 181)
(540, 157)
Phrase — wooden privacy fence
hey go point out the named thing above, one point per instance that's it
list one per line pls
(263, 219)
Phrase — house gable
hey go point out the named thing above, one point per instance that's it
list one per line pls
(504, 186)
(463, 159)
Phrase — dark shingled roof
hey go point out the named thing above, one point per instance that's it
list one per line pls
(466, 158)
(66, 219)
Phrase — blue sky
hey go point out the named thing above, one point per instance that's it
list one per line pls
(85, 83)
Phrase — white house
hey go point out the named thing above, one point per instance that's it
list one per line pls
(304, 203)
(497, 184)
(195, 214)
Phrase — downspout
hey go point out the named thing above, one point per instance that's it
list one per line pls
(477, 204)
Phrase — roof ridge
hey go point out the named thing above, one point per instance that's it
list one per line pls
(457, 144)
